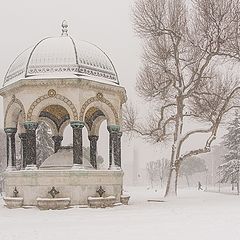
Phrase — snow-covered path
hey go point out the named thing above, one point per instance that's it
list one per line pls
(194, 215)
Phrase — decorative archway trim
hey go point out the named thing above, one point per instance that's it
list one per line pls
(52, 94)
(17, 101)
(98, 98)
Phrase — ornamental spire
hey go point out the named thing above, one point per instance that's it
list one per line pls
(64, 28)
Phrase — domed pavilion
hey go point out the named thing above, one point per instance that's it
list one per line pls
(62, 81)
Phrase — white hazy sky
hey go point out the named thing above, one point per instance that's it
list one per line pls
(106, 23)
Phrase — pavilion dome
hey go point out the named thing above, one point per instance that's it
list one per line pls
(62, 57)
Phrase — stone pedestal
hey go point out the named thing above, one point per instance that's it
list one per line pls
(77, 185)
(124, 199)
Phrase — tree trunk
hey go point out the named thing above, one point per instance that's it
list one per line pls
(151, 183)
(161, 182)
(171, 188)
(171, 183)
(186, 176)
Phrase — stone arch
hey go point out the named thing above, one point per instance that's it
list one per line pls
(63, 127)
(14, 109)
(43, 101)
(100, 102)
(96, 126)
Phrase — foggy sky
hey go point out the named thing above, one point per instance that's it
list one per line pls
(106, 23)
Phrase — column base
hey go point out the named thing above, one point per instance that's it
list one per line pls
(114, 167)
(77, 167)
(31, 167)
(11, 168)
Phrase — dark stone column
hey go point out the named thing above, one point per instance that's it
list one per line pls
(113, 135)
(118, 161)
(57, 142)
(11, 148)
(77, 127)
(31, 143)
(93, 150)
(23, 137)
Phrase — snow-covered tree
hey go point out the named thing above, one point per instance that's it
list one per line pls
(180, 78)
(232, 139)
(229, 171)
(45, 145)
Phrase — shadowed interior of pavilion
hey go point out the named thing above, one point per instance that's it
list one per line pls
(66, 157)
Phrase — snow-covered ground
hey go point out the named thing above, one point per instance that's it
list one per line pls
(194, 215)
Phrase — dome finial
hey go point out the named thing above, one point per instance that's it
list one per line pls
(64, 28)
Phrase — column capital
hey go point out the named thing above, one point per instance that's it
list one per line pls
(93, 137)
(113, 128)
(77, 124)
(31, 126)
(10, 130)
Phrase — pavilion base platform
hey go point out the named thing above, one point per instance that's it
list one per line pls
(77, 185)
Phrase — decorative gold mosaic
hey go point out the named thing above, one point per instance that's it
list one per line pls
(51, 93)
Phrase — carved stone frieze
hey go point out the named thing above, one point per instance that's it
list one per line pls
(99, 97)
(52, 95)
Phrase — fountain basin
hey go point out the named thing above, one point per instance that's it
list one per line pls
(53, 203)
(124, 199)
(101, 202)
(77, 184)
(13, 202)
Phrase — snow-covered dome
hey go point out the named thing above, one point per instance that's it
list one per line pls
(62, 57)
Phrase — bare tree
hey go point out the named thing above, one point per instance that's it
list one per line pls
(152, 172)
(184, 47)
(157, 170)
(162, 166)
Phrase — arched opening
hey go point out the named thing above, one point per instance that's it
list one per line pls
(13, 126)
(55, 113)
(93, 120)
(52, 121)
(103, 146)
(67, 136)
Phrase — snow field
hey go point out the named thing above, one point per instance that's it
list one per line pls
(193, 215)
